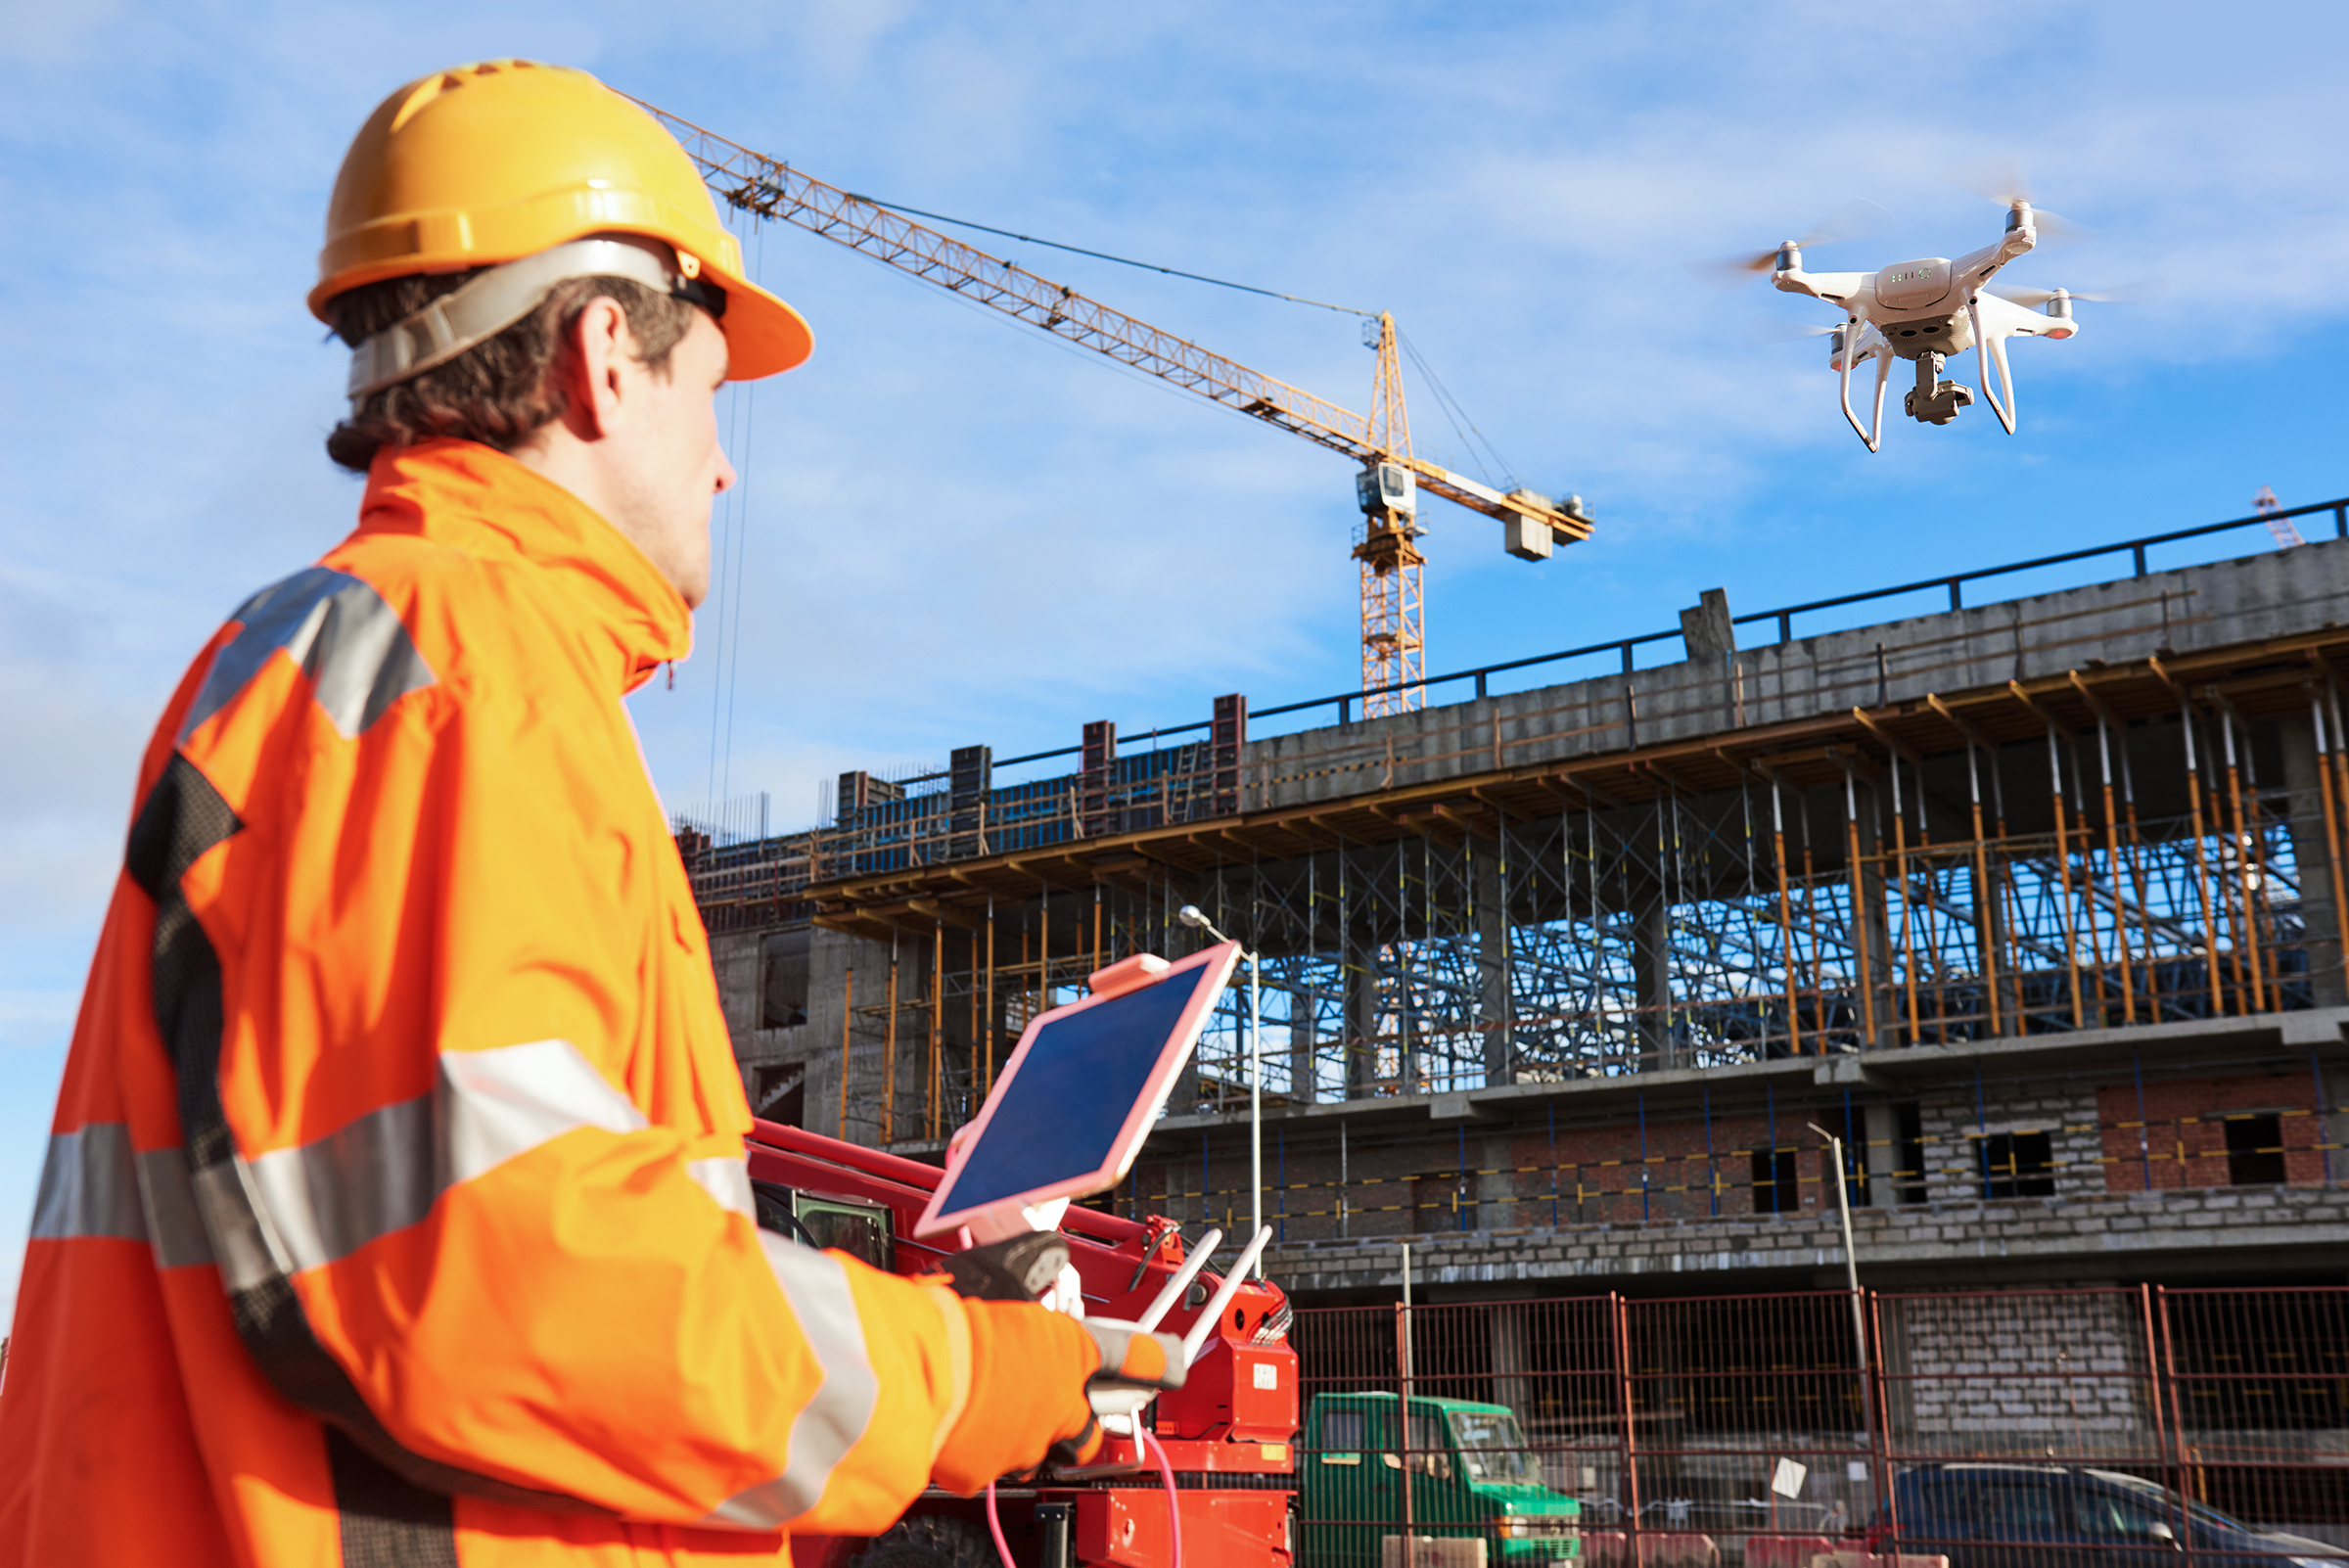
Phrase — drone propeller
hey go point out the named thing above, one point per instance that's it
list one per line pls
(2002, 180)
(2123, 294)
(1854, 221)
(1769, 332)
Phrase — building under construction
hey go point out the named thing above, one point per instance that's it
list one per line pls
(2034, 903)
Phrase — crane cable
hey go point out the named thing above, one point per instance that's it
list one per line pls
(1472, 437)
(1104, 255)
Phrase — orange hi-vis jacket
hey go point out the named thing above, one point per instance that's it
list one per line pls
(396, 1209)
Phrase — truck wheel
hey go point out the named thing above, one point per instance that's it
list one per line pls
(929, 1540)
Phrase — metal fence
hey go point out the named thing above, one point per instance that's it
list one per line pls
(2111, 1428)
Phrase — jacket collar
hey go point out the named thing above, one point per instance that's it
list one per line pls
(476, 500)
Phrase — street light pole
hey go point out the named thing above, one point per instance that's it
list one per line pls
(1190, 915)
(1851, 1274)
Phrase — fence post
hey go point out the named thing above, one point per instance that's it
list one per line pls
(1409, 1556)
(2166, 1380)
(1631, 1444)
(1880, 1486)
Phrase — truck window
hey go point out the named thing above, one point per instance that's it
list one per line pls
(1431, 1450)
(1492, 1447)
(1342, 1430)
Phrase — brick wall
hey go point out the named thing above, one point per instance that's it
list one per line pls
(1677, 1170)
(2178, 1139)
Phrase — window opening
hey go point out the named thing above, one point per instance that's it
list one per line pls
(1909, 1148)
(1776, 1188)
(2018, 1165)
(2255, 1149)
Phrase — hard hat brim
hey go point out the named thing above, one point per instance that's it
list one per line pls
(765, 335)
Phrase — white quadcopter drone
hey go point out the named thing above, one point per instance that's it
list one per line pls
(1928, 310)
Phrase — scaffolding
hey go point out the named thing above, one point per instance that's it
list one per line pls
(2091, 855)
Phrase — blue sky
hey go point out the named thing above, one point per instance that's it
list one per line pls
(954, 529)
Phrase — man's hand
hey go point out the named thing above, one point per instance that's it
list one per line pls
(1039, 1377)
(1028, 1368)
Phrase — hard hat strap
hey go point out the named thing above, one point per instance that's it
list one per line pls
(503, 295)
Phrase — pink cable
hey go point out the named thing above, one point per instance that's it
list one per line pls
(994, 1527)
(1166, 1471)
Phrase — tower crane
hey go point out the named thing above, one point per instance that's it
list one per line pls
(1391, 478)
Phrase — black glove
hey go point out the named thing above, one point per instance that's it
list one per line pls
(1017, 1269)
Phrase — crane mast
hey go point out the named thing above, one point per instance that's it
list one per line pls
(1394, 639)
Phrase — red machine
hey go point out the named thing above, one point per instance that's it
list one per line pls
(1227, 1431)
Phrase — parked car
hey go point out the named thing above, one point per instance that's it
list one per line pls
(1470, 1473)
(2073, 1516)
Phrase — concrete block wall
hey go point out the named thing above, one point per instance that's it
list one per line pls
(2017, 1372)
(739, 958)
(2087, 1241)
(1956, 1124)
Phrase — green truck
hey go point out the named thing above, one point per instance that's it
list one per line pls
(1471, 1477)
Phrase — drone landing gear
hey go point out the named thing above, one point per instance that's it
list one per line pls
(1873, 433)
(1934, 400)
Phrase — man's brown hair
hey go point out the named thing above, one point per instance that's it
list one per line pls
(501, 389)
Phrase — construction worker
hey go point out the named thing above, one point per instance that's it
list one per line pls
(396, 1209)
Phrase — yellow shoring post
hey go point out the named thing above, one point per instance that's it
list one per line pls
(936, 1094)
(1985, 943)
(2326, 741)
(2112, 848)
(889, 1050)
(2193, 795)
(1778, 839)
(1900, 853)
(1868, 981)
(2063, 874)
(993, 1018)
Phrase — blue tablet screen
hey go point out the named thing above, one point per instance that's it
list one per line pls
(1062, 1110)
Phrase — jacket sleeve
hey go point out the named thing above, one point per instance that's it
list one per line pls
(478, 1140)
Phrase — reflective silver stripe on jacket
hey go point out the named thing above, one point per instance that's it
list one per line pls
(89, 1186)
(728, 1181)
(297, 1208)
(175, 1226)
(94, 1184)
(351, 643)
(835, 1418)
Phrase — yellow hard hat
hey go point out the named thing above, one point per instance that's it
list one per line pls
(500, 160)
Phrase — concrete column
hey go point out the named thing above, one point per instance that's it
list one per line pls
(1302, 1068)
(1361, 1020)
(1495, 1186)
(1883, 1156)
(1492, 965)
(1510, 1385)
(1651, 961)
(2314, 855)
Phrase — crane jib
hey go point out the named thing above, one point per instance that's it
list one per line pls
(1393, 647)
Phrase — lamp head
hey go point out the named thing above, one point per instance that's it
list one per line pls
(1190, 916)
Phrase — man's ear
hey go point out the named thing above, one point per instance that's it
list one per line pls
(602, 349)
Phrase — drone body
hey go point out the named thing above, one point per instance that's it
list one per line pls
(1925, 312)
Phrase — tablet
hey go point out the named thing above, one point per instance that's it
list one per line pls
(1077, 1098)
